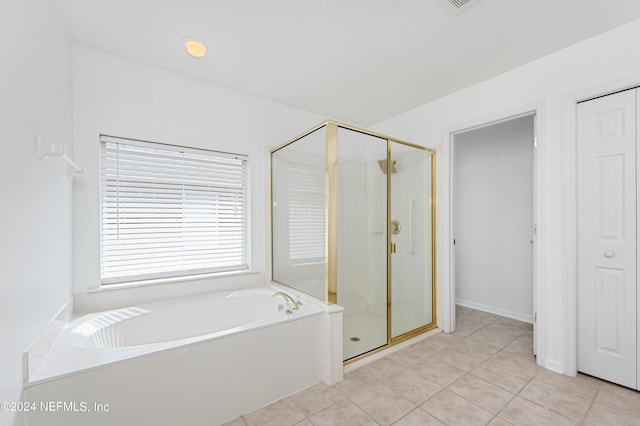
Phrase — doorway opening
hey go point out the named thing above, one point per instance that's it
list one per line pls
(493, 201)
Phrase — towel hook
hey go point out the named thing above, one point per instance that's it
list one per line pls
(46, 149)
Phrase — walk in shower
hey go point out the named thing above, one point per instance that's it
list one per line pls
(352, 220)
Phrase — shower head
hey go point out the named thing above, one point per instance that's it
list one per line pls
(383, 166)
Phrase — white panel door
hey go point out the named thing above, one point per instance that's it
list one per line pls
(606, 167)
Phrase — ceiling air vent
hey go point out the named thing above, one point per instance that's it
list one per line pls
(457, 6)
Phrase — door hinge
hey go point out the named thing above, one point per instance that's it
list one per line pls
(454, 241)
(535, 317)
(535, 229)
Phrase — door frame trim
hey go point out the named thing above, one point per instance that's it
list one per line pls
(446, 279)
(570, 212)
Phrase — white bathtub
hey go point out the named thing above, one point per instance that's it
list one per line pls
(216, 356)
(176, 321)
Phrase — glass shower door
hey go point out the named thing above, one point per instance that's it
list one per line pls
(411, 242)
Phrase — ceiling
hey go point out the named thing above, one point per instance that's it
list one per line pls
(359, 61)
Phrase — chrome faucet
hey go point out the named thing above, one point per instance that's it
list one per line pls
(291, 304)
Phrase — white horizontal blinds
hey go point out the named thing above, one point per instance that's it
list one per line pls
(307, 217)
(170, 211)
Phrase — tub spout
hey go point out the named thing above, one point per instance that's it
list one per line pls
(291, 304)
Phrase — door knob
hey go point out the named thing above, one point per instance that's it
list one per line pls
(609, 254)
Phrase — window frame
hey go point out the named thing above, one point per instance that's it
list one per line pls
(181, 274)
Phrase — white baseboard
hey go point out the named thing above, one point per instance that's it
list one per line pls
(497, 311)
(553, 365)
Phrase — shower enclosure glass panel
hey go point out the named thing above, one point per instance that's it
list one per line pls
(298, 194)
(352, 220)
(411, 239)
(362, 240)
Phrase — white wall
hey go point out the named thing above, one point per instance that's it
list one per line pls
(493, 218)
(594, 64)
(119, 97)
(35, 242)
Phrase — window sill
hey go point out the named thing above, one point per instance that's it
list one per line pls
(171, 280)
(294, 263)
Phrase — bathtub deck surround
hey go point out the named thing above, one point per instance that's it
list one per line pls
(198, 351)
(36, 352)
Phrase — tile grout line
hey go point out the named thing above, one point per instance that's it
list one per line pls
(593, 401)
(452, 347)
(480, 378)
(515, 395)
(542, 406)
(363, 410)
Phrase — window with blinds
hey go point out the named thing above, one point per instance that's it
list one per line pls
(306, 212)
(170, 211)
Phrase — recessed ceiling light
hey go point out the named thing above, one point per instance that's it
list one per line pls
(195, 47)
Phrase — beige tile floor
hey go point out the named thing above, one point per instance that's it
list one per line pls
(484, 373)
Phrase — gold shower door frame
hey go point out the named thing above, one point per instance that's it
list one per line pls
(331, 211)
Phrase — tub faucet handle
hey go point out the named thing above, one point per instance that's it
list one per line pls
(291, 304)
